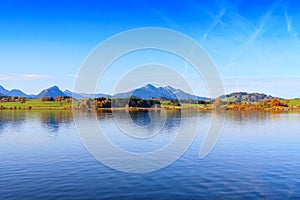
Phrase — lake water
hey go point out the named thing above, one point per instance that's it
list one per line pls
(257, 156)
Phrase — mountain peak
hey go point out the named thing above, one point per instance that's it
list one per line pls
(54, 88)
(53, 91)
(17, 93)
(3, 91)
(149, 86)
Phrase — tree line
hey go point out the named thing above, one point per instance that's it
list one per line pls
(103, 102)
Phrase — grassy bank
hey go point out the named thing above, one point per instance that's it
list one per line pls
(36, 104)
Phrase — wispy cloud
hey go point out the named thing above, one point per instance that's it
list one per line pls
(35, 76)
(186, 65)
(290, 28)
(244, 32)
(217, 20)
(262, 27)
(167, 20)
(24, 77)
(72, 75)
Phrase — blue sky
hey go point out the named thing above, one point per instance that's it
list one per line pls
(254, 44)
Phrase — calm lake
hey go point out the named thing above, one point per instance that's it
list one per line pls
(256, 156)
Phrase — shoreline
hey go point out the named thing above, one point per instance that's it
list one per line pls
(141, 109)
(39, 105)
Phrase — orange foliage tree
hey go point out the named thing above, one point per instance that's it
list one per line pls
(275, 102)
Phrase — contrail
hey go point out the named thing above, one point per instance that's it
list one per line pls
(261, 29)
(290, 28)
(218, 20)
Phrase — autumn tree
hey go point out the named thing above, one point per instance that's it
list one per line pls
(45, 99)
(217, 103)
(275, 102)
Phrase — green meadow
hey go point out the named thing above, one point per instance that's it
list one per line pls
(294, 102)
(37, 104)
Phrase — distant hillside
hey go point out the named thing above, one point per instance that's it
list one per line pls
(72, 94)
(3, 91)
(84, 95)
(149, 92)
(17, 93)
(245, 97)
(50, 92)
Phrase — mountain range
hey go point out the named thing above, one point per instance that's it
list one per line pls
(149, 92)
(146, 92)
(50, 92)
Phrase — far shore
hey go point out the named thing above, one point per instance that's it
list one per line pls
(169, 108)
(273, 105)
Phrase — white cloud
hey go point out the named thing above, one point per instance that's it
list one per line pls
(35, 76)
(24, 77)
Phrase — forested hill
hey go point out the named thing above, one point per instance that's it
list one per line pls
(245, 97)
